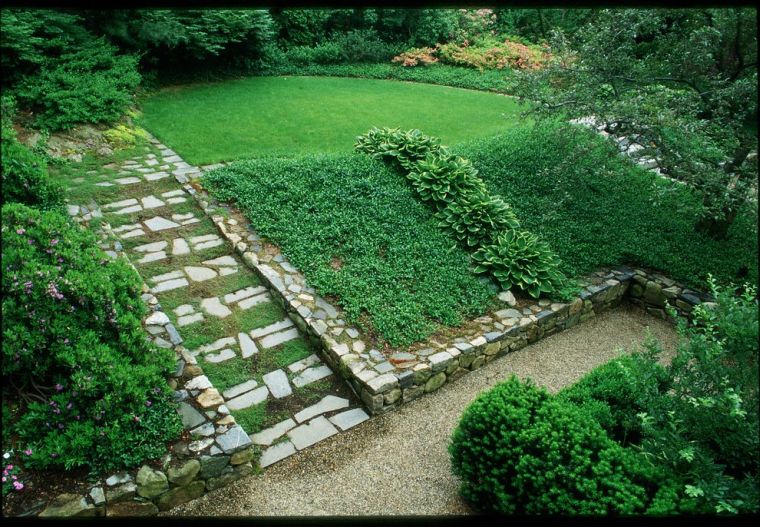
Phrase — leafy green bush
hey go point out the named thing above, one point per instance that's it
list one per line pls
(91, 388)
(355, 229)
(486, 224)
(611, 394)
(24, 175)
(89, 85)
(518, 450)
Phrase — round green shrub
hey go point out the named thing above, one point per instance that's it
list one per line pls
(518, 450)
(25, 178)
(91, 389)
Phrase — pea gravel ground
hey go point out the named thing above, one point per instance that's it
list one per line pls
(397, 463)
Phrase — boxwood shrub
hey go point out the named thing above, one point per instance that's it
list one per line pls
(518, 450)
(87, 387)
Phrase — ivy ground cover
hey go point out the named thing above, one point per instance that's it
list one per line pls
(356, 230)
(596, 208)
(208, 123)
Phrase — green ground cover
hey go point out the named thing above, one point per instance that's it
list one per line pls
(208, 123)
(596, 208)
(356, 230)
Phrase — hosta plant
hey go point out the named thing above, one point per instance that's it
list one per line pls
(406, 147)
(520, 259)
(442, 178)
(476, 218)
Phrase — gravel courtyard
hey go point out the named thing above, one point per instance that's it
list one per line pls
(397, 463)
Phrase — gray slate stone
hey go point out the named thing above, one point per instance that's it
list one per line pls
(190, 419)
(233, 440)
(276, 453)
(349, 418)
(328, 403)
(278, 384)
(316, 430)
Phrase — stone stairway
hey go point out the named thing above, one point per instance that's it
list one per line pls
(267, 375)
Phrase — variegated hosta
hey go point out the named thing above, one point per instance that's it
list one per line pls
(443, 178)
(520, 259)
(476, 218)
(406, 146)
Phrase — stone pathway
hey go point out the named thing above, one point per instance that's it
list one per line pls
(257, 366)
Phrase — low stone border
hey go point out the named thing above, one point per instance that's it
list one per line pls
(385, 381)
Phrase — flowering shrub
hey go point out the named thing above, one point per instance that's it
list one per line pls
(90, 387)
(483, 54)
(12, 472)
(417, 56)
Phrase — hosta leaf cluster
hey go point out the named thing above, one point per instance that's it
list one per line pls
(481, 222)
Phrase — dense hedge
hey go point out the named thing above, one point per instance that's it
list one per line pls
(483, 223)
(355, 229)
(520, 451)
(459, 77)
(595, 208)
(90, 387)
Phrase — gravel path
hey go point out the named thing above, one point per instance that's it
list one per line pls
(397, 463)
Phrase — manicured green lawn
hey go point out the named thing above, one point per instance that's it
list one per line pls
(208, 123)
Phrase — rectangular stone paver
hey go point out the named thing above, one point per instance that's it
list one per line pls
(310, 375)
(248, 399)
(349, 418)
(151, 247)
(267, 436)
(278, 384)
(247, 346)
(328, 403)
(316, 430)
(167, 276)
(242, 293)
(186, 320)
(276, 453)
(158, 223)
(120, 204)
(169, 285)
(304, 363)
(271, 328)
(247, 386)
(248, 303)
(179, 246)
(278, 338)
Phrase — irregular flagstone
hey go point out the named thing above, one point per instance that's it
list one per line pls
(310, 375)
(151, 247)
(234, 439)
(328, 403)
(120, 204)
(247, 346)
(316, 430)
(267, 436)
(248, 303)
(349, 418)
(217, 344)
(276, 339)
(167, 276)
(174, 201)
(158, 318)
(225, 354)
(224, 271)
(173, 193)
(151, 202)
(169, 285)
(209, 244)
(127, 180)
(248, 399)
(155, 176)
(247, 386)
(184, 309)
(276, 453)
(180, 217)
(189, 319)
(152, 257)
(304, 363)
(277, 382)
(204, 238)
(242, 293)
(179, 246)
(126, 227)
(158, 223)
(271, 328)
(214, 307)
(200, 382)
(226, 260)
(128, 210)
(200, 274)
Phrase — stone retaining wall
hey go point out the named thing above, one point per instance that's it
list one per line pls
(384, 381)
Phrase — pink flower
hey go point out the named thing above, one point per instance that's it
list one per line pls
(148, 403)
(18, 485)
(59, 387)
(54, 241)
(20, 231)
(5, 479)
(9, 467)
(28, 451)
